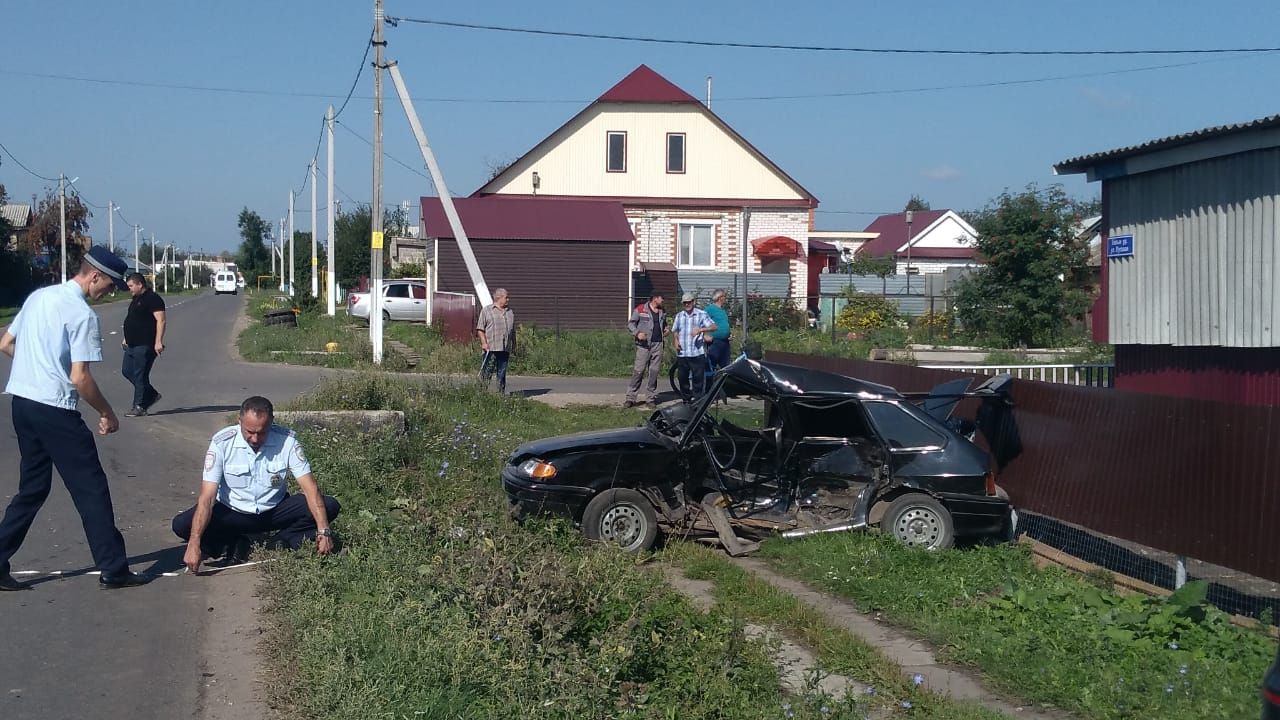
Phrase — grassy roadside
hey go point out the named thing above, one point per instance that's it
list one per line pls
(442, 607)
(1047, 635)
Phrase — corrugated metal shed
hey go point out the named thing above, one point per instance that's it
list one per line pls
(1085, 162)
(1205, 243)
(16, 214)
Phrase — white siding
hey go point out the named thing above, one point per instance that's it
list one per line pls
(948, 232)
(932, 266)
(717, 165)
(1205, 238)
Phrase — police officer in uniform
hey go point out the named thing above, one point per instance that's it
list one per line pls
(52, 341)
(245, 491)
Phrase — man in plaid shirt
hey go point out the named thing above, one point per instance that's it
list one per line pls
(691, 327)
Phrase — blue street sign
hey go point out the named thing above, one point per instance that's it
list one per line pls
(1119, 246)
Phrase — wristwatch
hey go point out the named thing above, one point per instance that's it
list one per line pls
(324, 533)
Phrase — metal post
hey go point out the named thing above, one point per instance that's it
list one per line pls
(909, 214)
(111, 225)
(274, 248)
(446, 200)
(746, 227)
(153, 259)
(291, 285)
(1180, 572)
(375, 207)
(62, 221)
(166, 267)
(315, 261)
(330, 285)
(135, 248)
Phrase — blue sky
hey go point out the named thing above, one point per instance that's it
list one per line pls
(182, 163)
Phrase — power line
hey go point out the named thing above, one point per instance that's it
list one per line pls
(24, 167)
(822, 48)
(385, 154)
(359, 72)
(314, 156)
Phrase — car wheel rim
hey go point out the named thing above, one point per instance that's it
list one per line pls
(919, 526)
(623, 524)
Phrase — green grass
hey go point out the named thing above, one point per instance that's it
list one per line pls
(7, 314)
(1046, 635)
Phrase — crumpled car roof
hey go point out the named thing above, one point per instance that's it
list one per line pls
(791, 381)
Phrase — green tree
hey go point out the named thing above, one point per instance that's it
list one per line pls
(916, 204)
(352, 231)
(44, 237)
(302, 261)
(15, 264)
(1032, 286)
(252, 259)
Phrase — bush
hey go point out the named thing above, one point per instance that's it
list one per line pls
(408, 270)
(865, 312)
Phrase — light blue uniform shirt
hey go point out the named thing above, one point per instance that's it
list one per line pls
(54, 328)
(254, 481)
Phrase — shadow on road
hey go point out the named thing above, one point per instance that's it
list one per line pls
(198, 409)
(162, 561)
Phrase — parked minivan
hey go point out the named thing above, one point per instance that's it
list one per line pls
(224, 282)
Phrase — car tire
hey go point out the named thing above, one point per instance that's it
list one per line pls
(918, 520)
(386, 316)
(622, 517)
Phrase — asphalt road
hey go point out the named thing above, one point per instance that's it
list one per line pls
(69, 649)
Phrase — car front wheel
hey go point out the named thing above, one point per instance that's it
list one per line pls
(919, 521)
(622, 517)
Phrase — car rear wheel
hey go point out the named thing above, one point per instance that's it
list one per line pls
(622, 517)
(386, 316)
(919, 521)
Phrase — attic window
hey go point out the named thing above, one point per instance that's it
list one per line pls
(675, 152)
(617, 152)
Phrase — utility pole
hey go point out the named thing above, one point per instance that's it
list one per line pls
(375, 240)
(136, 228)
(909, 218)
(290, 243)
(746, 262)
(111, 225)
(153, 259)
(168, 248)
(330, 285)
(315, 262)
(273, 249)
(62, 220)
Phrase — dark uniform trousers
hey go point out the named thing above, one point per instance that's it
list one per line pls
(50, 437)
(291, 520)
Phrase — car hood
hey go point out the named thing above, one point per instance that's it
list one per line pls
(620, 438)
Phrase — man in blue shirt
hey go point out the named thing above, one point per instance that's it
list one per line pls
(52, 341)
(690, 328)
(245, 491)
(718, 350)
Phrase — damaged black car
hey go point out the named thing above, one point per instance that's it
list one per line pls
(773, 449)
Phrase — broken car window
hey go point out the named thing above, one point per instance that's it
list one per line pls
(902, 429)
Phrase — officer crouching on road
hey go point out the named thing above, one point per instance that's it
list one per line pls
(245, 492)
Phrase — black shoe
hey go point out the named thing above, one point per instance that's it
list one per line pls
(136, 411)
(123, 580)
(155, 398)
(629, 404)
(8, 583)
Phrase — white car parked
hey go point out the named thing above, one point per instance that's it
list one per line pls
(401, 300)
(224, 282)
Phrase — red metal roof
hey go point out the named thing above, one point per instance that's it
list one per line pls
(822, 247)
(644, 85)
(776, 246)
(893, 231)
(495, 217)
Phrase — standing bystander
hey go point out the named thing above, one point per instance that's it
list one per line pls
(691, 326)
(52, 341)
(718, 350)
(143, 342)
(496, 329)
(648, 326)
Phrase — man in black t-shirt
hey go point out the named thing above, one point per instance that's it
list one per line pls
(143, 342)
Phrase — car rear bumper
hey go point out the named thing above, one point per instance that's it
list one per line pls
(977, 515)
(529, 497)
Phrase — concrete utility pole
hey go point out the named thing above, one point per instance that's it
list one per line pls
(291, 243)
(136, 228)
(375, 240)
(315, 262)
(746, 263)
(273, 249)
(272, 252)
(62, 221)
(168, 248)
(153, 259)
(330, 285)
(909, 218)
(111, 225)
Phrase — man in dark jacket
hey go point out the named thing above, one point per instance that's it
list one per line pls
(648, 327)
(143, 342)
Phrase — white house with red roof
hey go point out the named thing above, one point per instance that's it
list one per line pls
(688, 182)
(938, 239)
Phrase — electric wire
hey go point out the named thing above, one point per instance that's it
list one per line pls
(24, 167)
(825, 48)
(359, 72)
(387, 155)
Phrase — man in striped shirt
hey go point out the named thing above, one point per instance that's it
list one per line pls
(691, 328)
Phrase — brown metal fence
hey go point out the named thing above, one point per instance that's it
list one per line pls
(1191, 478)
(455, 315)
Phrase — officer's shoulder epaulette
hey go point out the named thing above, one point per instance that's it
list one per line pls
(288, 432)
(224, 435)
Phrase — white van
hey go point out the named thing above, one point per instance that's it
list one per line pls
(224, 282)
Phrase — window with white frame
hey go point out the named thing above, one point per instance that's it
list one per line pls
(696, 245)
(675, 153)
(616, 160)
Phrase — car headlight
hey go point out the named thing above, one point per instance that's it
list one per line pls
(538, 469)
